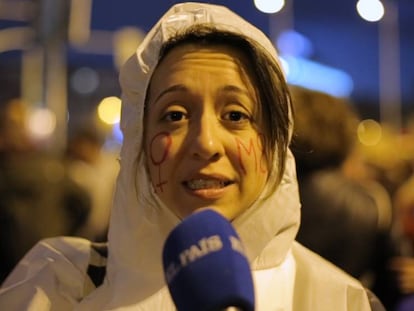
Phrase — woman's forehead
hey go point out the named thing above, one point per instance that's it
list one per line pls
(214, 51)
(217, 59)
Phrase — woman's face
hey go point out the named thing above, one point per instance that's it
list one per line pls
(202, 139)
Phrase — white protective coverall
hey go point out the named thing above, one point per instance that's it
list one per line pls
(58, 273)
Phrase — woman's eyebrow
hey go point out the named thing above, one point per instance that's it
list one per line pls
(182, 88)
(173, 88)
(238, 90)
(234, 88)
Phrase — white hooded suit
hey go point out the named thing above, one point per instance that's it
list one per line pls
(59, 273)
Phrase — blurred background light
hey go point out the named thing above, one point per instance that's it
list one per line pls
(369, 132)
(316, 76)
(370, 10)
(269, 6)
(41, 123)
(290, 42)
(84, 80)
(109, 110)
(117, 133)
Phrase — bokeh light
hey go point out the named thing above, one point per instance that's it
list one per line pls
(84, 80)
(269, 6)
(369, 132)
(41, 123)
(109, 110)
(370, 10)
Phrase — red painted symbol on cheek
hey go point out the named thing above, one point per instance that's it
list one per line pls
(163, 139)
(250, 150)
(263, 162)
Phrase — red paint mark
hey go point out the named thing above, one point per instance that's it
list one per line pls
(166, 138)
(249, 149)
(263, 160)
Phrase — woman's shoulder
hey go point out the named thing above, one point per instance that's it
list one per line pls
(312, 264)
(55, 270)
(329, 284)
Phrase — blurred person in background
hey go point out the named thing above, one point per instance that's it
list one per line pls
(37, 197)
(95, 169)
(390, 162)
(388, 159)
(13, 131)
(402, 264)
(340, 216)
(404, 195)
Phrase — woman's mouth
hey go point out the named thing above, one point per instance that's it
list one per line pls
(200, 184)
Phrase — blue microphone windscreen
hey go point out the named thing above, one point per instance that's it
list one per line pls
(205, 266)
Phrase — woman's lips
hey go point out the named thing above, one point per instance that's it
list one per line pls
(207, 188)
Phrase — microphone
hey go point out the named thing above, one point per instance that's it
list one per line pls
(205, 266)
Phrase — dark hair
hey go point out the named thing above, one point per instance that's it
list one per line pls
(325, 129)
(273, 93)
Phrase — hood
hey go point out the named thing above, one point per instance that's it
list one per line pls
(139, 221)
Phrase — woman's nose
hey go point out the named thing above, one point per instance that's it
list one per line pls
(207, 143)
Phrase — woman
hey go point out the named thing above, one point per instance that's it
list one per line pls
(206, 119)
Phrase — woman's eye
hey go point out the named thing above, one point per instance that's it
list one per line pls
(174, 116)
(236, 116)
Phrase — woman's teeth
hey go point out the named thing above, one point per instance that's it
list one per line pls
(197, 184)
